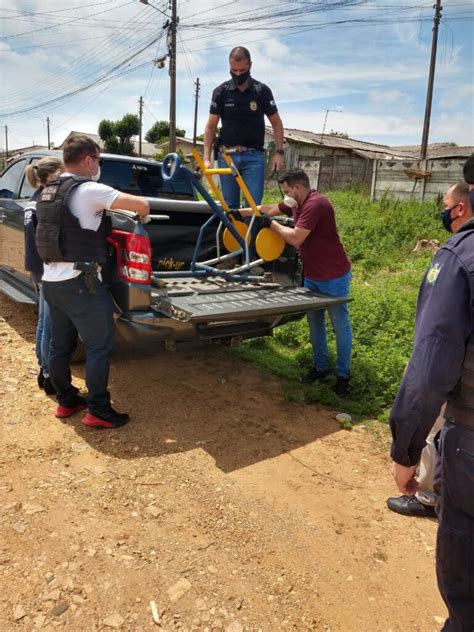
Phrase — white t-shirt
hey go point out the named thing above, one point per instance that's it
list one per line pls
(86, 203)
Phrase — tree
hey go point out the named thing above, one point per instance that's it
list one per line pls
(117, 135)
(338, 134)
(160, 131)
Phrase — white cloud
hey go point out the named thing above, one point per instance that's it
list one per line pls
(376, 74)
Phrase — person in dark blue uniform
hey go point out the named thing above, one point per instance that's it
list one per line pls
(441, 369)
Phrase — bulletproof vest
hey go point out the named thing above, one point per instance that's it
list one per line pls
(59, 236)
(460, 406)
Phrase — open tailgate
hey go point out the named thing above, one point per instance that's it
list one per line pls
(216, 301)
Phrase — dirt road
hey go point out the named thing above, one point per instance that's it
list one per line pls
(228, 508)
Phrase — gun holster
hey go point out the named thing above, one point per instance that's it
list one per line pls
(89, 272)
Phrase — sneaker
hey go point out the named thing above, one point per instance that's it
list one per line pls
(342, 386)
(40, 378)
(48, 386)
(77, 404)
(312, 375)
(410, 506)
(107, 419)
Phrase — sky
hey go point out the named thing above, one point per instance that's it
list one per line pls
(360, 64)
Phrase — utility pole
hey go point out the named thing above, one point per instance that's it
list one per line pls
(172, 72)
(140, 116)
(47, 125)
(171, 24)
(429, 95)
(6, 143)
(196, 99)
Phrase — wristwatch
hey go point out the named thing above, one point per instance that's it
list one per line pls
(280, 151)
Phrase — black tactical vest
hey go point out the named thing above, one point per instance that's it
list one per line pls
(59, 236)
(460, 406)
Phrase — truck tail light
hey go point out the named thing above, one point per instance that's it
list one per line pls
(133, 256)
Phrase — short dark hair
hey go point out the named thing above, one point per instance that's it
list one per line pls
(460, 191)
(468, 170)
(239, 53)
(78, 147)
(295, 176)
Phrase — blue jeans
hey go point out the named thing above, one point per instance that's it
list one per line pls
(73, 307)
(43, 334)
(251, 166)
(339, 315)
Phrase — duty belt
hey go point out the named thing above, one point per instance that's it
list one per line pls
(237, 149)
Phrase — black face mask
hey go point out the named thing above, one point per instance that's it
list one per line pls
(240, 79)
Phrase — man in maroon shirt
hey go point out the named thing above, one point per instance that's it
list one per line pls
(326, 269)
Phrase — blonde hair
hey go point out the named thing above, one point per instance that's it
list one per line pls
(40, 173)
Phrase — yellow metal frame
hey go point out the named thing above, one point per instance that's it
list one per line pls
(268, 244)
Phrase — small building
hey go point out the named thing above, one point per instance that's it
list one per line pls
(331, 162)
(183, 145)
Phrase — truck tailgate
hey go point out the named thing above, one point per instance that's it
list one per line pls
(215, 301)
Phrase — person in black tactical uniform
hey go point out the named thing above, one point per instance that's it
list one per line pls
(440, 370)
(71, 240)
(38, 176)
(241, 105)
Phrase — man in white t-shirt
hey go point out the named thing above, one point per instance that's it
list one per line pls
(74, 305)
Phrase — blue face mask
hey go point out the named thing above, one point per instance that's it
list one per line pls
(446, 218)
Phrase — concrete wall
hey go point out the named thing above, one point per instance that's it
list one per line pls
(389, 178)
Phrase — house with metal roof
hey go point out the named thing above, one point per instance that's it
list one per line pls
(334, 162)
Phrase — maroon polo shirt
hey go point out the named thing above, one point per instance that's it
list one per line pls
(322, 252)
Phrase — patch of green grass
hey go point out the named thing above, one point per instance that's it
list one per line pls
(380, 238)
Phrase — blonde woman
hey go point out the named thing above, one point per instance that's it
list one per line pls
(38, 175)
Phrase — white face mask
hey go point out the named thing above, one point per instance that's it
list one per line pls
(96, 176)
(289, 201)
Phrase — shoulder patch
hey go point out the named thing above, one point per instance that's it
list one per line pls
(433, 273)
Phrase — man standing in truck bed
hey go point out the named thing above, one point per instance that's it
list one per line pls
(241, 105)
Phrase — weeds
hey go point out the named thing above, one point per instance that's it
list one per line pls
(380, 238)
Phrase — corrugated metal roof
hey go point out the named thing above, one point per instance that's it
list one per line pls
(374, 150)
(438, 150)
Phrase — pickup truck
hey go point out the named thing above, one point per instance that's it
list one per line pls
(151, 309)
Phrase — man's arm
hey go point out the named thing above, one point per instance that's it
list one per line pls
(277, 125)
(209, 135)
(134, 203)
(267, 209)
(443, 326)
(293, 236)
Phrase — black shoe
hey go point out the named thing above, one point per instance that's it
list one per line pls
(48, 387)
(107, 419)
(40, 378)
(312, 375)
(342, 386)
(410, 506)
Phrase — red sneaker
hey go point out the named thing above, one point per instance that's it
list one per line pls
(107, 419)
(78, 404)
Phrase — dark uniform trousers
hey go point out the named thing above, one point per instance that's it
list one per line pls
(73, 307)
(454, 485)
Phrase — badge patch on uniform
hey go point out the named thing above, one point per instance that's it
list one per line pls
(433, 274)
(49, 193)
(253, 106)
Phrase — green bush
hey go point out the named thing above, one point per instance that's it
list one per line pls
(380, 238)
